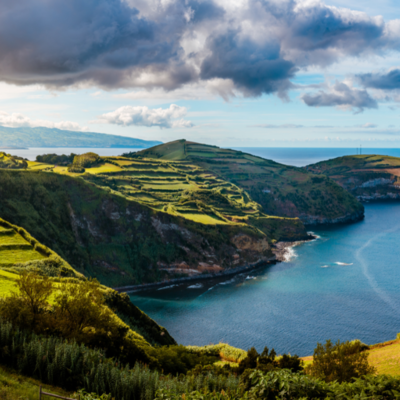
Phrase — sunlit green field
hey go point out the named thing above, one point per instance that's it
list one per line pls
(14, 386)
(14, 248)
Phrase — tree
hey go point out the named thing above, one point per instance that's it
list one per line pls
(340, 362)
(27, 307)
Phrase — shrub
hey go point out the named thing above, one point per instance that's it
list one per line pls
(285, 385)
(76, 169)
(339, 362)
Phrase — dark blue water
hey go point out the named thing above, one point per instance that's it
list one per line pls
(296, 156)
(291, 306)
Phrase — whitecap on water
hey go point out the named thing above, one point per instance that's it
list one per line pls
(195, 286)
(167, 287)
(342, 263)
(227, 282)
(250, 277)
(324, 266)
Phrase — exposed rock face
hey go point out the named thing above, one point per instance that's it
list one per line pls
(379, 196)
(245, 242)
(318, 220)
(376, 182)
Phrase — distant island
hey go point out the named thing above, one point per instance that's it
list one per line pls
(17, 138)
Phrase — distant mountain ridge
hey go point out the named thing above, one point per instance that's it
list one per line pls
(52, 137)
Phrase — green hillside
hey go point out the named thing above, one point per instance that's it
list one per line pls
(281, 190)
(365, 176)
(21, 253)
(52, 137)
(128, 226)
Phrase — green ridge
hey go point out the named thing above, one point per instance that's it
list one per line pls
(281, 190)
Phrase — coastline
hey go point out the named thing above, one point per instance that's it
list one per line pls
(282, 253)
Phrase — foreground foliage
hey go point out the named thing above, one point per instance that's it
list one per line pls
(340, 361)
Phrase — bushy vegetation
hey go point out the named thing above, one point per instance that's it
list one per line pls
(340, 362)
(8, 161)
(76, 311)
(223, 350)
(65, 363)
(56, 159)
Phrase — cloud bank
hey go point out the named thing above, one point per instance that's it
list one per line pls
(17, 120)
(342, 96)
(250, 48)
(143, 116)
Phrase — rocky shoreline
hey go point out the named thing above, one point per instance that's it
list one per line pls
(282, 253)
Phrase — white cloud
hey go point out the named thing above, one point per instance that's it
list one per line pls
(143, 116)
(17, 120)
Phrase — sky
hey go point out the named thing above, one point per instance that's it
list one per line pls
(237, 73)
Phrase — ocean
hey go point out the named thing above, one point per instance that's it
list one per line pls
(297, 156)
(344, 285)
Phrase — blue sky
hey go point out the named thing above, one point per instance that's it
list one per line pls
(232, 73)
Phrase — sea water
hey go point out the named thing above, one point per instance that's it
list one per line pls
(296, 156)
(344, 285)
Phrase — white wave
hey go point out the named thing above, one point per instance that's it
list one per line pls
(342, 263)
(324, 266)
(227, 282)
(316, 237)
(167, 287)
(249, 278)
(195, 286)
(289, 254)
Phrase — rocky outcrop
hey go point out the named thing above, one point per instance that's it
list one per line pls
(318, 220)
(379, 196)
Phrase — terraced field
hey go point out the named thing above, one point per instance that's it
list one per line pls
(18, 250)
(281, 190)
(15, 249)
(177, 188)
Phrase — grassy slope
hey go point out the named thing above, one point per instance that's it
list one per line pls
(14, 386)
(385, 357)
(146, 330)
(281, 190)
(105, 232)
(351, 172)
(19, 249)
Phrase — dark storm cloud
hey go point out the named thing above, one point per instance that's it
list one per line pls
(384, 81)
(341, 95)
(259, 46)
(62, 42)
(254, 69)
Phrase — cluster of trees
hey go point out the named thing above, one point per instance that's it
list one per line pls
(74, 310)
(56, 159)
(83, 161)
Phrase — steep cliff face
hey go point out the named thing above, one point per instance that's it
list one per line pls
(281, 190)
(119, 241)
(367, 177)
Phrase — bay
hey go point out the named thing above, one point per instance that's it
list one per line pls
(344, 285)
